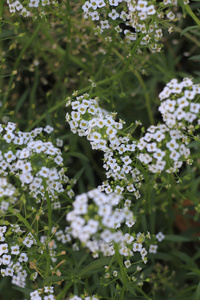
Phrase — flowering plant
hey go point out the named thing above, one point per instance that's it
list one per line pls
(91, 194)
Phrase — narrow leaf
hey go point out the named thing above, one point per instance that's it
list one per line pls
(189, 28)
(176, 238)
(93, 266)
(186, 258)
(195, 57)
(77, 154)
(197, 296)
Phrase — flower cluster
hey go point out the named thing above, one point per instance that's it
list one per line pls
(62, 236)
(13, 253)
(179, 106)
(104, 133)
(46, 293)
(135, 19)
(36, 163)
(8, 195)
(96, 221)
(88, 119)
(163, 148)
(17, 249)
(25, 8)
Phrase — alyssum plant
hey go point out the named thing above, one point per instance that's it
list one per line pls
(57, 245)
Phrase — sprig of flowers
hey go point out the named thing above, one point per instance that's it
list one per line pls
(180, 104)
(46, 293)
(14, 246)
(34, 160)
(8, 195)
(163, 148)
(96, 221)
(105, 229)
(140, 19)
(26, 8)
(105, 133)
(18, 250)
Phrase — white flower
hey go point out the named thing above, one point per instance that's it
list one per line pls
(104, 210)
(174, 155)
(9, 156)
(153, 249)
(26, 177)
(5, 259)
(171, 15)
(28, 242)
(151, 147)
(48, 128)
(75, 298)
(86, 6)
(171, 145)
(137, 247)
(49, 297)
(160, 236)
(9, 136)
(127, 264)
(23, 257)
(159, 154)
(34, 3)
(58, 160)
(113, 14)
(15, 250)
(44, 172)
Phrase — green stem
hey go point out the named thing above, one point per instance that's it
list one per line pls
(1, 13)
(33, 92)
(68, 19)
(60, 296)
(190, 12)
(26, 223)
(141, 292)
(48, 257)
(121, 265)
(49, 214)
(146, 95)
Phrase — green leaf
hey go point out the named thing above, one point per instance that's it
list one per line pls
(197, 292)
(186, 258)
(79, 174)
(65, 289)
(21, 101)
(189, 28)
(176, 238)
(55, 278)
(77, 154)
(194, 272)
(23, 290)
(94, 266)
(131, 289)
(164, 256)
(195, 57)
